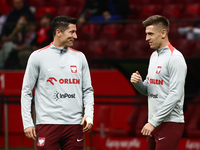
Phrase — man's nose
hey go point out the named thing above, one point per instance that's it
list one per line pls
(75, 36)
(147, 38)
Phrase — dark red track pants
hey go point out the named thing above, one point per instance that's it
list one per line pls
(166, 136)
(66, 137)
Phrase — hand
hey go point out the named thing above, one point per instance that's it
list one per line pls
(30, 133)
(88, 126)
(147, 129)
(135, 78)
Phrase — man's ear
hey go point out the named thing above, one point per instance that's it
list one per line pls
(58, 32)
(164, 33)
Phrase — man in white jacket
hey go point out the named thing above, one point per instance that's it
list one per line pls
(63, 92)
(164, 86)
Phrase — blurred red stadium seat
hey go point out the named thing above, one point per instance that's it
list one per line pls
(88, 31)
(185, 2)
(138, 49)
(191, 11)
(196, 53)
(56, 3)
(115, 49)
(132, 31)
(80, 45)
(173, 31)
(163, 2)
(110, 31)
(172, 11)
(186, 47)
(43, 10)
(37, 3)
(4, 7)
(96, 48)
(135, 10)
(79, 4)
(149, 10)
(67, 11)
(83, 35)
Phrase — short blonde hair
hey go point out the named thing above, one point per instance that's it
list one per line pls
(157, 20)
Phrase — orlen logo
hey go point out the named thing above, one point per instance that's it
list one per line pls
(58, 95)
(154, 81)
(63, 81)
(51, 80)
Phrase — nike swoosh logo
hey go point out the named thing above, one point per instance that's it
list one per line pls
(161, 138)
(78, 140)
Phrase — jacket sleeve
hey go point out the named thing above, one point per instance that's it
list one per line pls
(88, 93)
(177, 69)
(29, 81)
(142, 87)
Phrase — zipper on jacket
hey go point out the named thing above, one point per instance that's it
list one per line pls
(62, 58)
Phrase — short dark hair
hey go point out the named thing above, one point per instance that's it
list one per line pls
(62, 23)
(155, 20)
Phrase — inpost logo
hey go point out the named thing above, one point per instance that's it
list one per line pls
(58, 95)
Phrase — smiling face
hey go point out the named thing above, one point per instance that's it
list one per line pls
(154, 36)
(67, 37)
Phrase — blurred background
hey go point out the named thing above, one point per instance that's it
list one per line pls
(111, 35)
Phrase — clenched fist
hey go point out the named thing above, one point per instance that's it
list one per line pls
(135, 78)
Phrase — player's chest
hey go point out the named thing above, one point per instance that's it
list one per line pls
(63, 68)
(158, 68)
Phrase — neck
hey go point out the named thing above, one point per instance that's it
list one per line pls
(58, 44)
(164, 43)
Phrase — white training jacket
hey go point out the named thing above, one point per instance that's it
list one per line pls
(63, 89)
(164, 86)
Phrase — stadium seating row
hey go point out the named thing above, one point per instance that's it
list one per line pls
(139, 9)
(101, 48)
(163, 2)
(170, 11)
(129, 31)
(126, 40)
